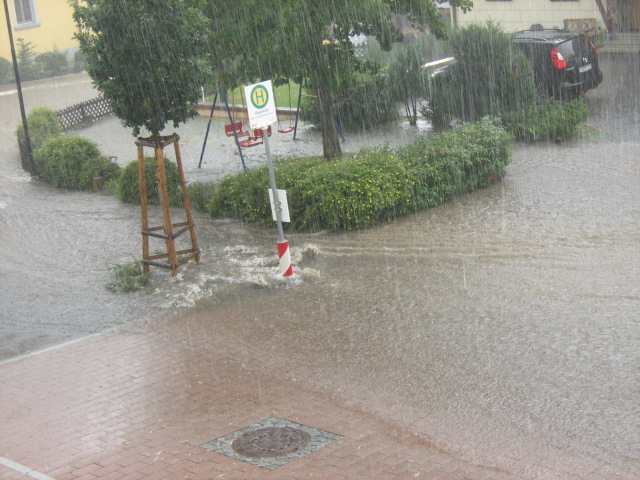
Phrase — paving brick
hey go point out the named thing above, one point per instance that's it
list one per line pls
(135, 405)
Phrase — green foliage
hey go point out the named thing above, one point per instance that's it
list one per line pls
(365, 103)
(308, 39)
(128, 278)
(200, 194)
(43, 124)
(79, 61)
(491, 76)
(52, 63)
(129, 182)
(150, 62)
(6, 71)
(549, 121)
(375, 185)
(407, 80)
(72, 163)
(25, 53)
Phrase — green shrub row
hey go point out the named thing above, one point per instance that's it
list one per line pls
(375, 185)
(550, 120)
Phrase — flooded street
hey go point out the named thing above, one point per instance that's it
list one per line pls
(503, 324)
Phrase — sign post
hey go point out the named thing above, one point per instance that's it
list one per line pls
(261, 110)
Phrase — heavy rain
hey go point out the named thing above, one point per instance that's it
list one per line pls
(500, 328)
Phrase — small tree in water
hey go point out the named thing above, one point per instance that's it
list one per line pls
(148, 58)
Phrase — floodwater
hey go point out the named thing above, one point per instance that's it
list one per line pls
(502, 325)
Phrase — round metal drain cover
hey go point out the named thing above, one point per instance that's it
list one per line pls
(271, 442)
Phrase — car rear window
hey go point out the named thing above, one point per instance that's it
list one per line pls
(576, 47)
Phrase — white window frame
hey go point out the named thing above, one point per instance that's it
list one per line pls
(33, 22)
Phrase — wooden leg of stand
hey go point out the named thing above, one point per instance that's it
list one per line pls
(143, 207)
(187, 203)
(166, 214)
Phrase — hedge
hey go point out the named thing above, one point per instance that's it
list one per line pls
(375, 185)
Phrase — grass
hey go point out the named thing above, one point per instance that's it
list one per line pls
(286, 95)
(128, 278)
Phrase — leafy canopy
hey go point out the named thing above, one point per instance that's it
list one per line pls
(149, 58)
(308, 39)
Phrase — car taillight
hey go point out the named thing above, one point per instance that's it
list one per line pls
(558, 60)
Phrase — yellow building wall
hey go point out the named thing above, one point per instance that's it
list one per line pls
(515, 15)
(55, 28)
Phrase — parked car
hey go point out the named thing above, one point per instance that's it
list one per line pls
(565, 64)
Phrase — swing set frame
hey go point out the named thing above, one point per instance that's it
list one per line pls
(236, 130)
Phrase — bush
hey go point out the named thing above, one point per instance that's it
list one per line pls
(43, 124)
(491, 76)
(366, 103)
(51, 64)
(72, 163)
(129, 183)
(6, 71)
(550, 121)
(79, 62)
(375, 185)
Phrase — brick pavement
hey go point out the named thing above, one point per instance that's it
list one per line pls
(134, 404)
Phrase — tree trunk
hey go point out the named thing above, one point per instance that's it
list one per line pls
(330, 142)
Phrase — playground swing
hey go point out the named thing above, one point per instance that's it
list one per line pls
(291, 126)
(235, 128)
(256, 139)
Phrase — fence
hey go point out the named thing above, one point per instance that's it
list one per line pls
(84, 113)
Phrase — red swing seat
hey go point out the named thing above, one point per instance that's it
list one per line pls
(237, 126)
(256, 139)
(287, 130)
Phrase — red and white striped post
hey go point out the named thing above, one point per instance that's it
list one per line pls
(284, 258)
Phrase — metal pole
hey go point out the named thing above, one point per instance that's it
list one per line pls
(32, 169)
(272, 179)
(233, 127)
(206, 135)
(295, 129)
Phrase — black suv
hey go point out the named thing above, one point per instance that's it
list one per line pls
(565, 64)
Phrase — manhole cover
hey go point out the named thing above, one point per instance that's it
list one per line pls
(271, 442)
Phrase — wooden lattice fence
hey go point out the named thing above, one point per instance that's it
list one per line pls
(84, 113)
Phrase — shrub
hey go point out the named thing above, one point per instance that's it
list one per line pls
(6, 71)
(72, 163)
(491, 76)
(366, 103)
(372, 186)
(200, 194)
(43, 124)
(129, 182)
(52, 64)
(550, 121)
(79, 61)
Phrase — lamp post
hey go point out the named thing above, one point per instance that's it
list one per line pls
(27, 163)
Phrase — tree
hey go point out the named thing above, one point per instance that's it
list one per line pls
(407, 79)
(148, 58)
(309, 39)
(491, 76)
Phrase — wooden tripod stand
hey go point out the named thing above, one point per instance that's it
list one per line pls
(173, 258)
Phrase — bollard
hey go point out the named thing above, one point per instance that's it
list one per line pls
(284, 258)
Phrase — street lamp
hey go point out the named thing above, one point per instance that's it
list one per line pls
(27, 163)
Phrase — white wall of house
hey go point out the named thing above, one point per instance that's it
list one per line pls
(515, 15)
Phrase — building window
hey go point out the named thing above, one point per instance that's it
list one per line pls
(26, 15)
